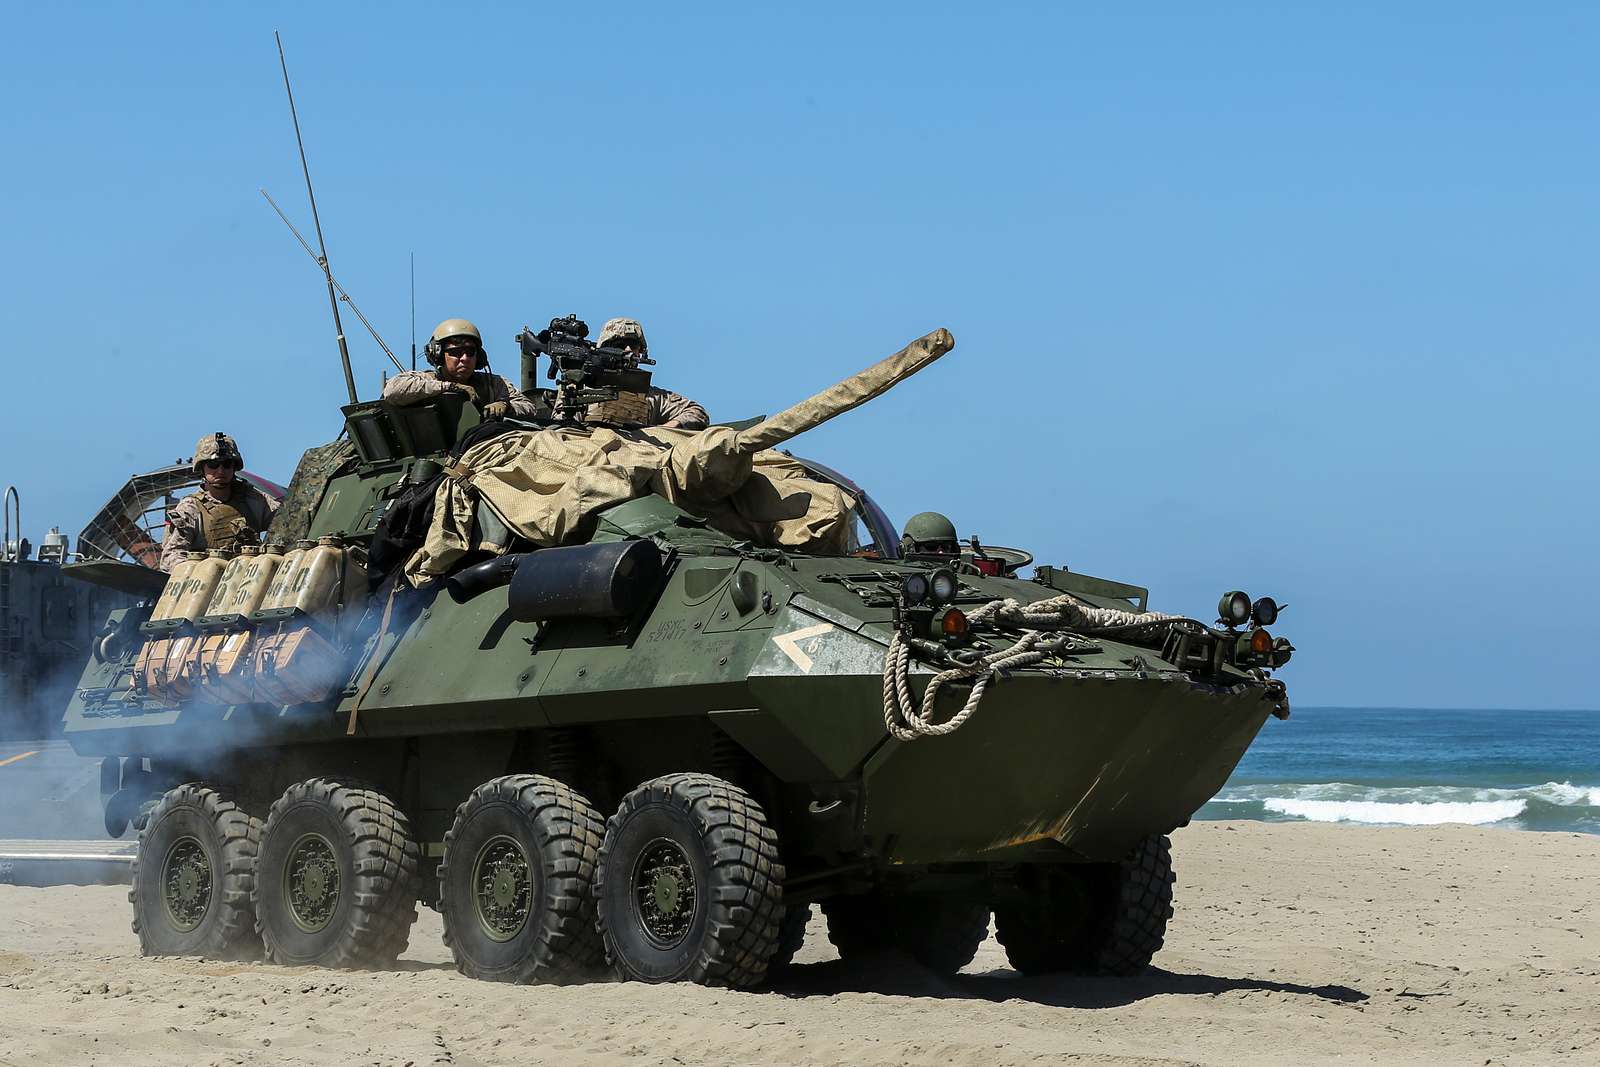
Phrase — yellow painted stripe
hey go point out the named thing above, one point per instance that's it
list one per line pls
(21, 756)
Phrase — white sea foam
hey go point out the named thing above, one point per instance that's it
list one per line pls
(1478, 813)
(1273, 795)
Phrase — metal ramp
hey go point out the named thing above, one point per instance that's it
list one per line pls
(43, 863)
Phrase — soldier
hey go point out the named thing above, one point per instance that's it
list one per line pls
(930, 534)
(227, 511)
(657, 408)
(456, 351)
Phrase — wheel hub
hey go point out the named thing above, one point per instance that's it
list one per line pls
(664, 892)
(502, 881)
(186, 883)
(311, 882)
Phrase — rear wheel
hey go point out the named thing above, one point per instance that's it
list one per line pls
(1106, 919)
(516, 884)
(193, 876)
(690, 886)
(338, 875)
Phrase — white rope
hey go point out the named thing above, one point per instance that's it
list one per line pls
(906, 720)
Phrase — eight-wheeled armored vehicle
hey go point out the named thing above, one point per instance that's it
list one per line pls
(643, 696)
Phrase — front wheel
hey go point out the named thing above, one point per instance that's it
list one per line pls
(1104, 918)
(941, 933)
(690, 886)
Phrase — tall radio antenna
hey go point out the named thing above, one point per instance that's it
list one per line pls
(322, 246)
(413, 311)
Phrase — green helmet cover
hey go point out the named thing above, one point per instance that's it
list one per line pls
(929, 526)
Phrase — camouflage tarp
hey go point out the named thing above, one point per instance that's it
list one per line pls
(548, 486)
(317, 466)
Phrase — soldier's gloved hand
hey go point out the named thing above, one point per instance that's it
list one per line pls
(496, 410)
(464, 389)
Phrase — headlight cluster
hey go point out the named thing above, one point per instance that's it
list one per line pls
(935, 590)
(1257, 648)
(925, 604)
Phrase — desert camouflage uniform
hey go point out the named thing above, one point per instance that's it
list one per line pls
(656, 408)
(200, 521)
(418, 386)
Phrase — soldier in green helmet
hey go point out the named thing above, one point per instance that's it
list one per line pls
(460, 365)
(227, 511)
(929, 533)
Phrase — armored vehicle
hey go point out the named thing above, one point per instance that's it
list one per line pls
(608, 694)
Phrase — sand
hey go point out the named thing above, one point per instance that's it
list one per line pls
(1291, 944)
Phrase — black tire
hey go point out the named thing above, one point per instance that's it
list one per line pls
(791, 936)
(941, 933)
(348, 852)
(698, 834)
(1033, 936)
(536, 842)
(193, 876)
(1104, 919)
(858, 926)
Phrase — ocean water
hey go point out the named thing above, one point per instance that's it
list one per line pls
(1524, 770)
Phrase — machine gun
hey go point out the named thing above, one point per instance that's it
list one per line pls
(584, 372)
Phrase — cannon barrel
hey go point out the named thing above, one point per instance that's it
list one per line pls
(715, 463)
(846, 395)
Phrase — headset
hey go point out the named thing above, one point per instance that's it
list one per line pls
(433, 351)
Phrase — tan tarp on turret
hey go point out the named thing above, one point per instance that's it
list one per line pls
(548, 485)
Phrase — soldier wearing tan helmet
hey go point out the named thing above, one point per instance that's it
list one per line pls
(658, 407)
(460, 365)
(227, 511)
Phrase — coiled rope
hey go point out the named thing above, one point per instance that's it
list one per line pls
(906, 720)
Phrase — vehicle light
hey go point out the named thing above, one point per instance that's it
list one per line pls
(989, 567)
(1281, 651)
(942, 587)
(1260, 642)
(1264, 611)
(953, 622)
(913, 589)
(1234, 608)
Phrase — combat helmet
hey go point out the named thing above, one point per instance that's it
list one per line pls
(434, 351)
(929, 531)
(618, 332)
(218, 446)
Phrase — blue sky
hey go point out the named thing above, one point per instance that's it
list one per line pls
(1295, 302)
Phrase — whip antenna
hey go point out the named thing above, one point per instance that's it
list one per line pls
(322, 246)
(413, 311)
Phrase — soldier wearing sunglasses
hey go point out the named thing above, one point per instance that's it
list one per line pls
(227, 511)
(456, 352)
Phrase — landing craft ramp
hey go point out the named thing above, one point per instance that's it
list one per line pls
(42, 863)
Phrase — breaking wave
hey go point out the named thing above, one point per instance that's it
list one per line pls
(1409, 814)
(1550, 806)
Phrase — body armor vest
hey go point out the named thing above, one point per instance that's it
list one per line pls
(627, 407)
(226, 527)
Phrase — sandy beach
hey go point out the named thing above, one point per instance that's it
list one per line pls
(1291, 944)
